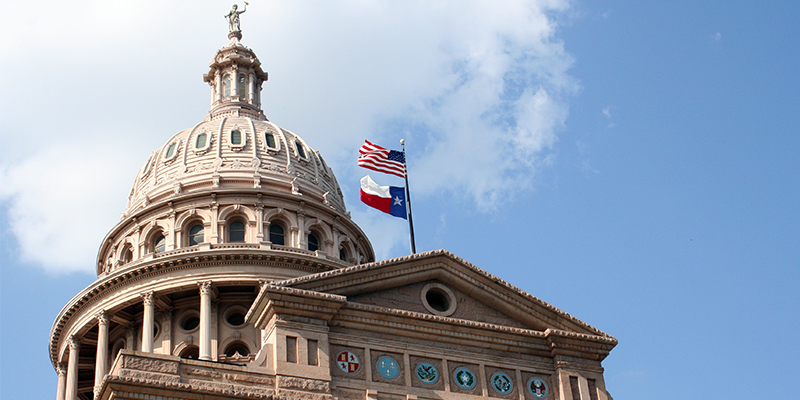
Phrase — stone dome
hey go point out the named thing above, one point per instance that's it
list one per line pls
(235, 165)
(235, 152)
(235, 146)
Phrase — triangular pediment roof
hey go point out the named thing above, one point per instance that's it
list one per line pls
(443, 266)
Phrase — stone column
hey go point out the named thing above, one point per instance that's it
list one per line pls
(235, 82)
(205, 320)
(62, 381)
(147, 322)
(218, 89)
(251, 96)
(72, 369)
(259, 223)
(101, 360)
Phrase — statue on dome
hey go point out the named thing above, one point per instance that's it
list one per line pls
(233, 18)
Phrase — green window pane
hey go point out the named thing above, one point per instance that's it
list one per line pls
(270, 140)
(201, 141)
(300, 151)
(236, 137)
(170, 150)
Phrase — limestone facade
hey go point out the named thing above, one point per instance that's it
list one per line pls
(237, 273)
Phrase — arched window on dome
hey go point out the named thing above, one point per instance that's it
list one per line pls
(226, 87)
(241, 87)
(313, 242)
(236, 231)
(343, 254)
(277, 235)
(196, 234)
(159, 243)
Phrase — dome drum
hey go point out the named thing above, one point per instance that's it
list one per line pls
(212, 214)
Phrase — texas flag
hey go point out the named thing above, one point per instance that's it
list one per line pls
(389, 199)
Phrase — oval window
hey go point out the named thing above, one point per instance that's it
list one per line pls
(190, 323)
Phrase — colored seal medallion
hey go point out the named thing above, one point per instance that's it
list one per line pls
(387, 367)
(348, 362)
(427, 373)
(537, 387)
(502, 383)
(464, 378)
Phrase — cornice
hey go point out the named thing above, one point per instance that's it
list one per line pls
(230, 258)
(406, 265)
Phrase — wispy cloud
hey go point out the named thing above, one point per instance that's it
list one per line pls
(480, 91)
(607, 113)
(716, 37)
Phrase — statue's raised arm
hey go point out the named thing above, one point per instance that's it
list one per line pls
(233, 18)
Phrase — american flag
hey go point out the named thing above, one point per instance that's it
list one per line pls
(383, 160)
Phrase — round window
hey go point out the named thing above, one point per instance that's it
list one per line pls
(235, 318)
(438, 299)
(190, 321)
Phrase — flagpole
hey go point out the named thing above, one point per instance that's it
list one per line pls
(408, 199)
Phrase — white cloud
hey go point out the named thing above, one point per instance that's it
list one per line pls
(478, 89)
(716, 37)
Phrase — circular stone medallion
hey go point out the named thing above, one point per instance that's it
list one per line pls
(427, 373)
(537, 387)
(387, 367)
(502, 383)
(464, 378)
(348, 362)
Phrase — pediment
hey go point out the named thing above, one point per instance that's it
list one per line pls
(419, 285)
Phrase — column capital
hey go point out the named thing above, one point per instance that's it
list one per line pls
(205, 287)
(148, 298)
(73, 342)
(102, 317)
(61, 369)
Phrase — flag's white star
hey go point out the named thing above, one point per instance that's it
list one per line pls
(398, 201)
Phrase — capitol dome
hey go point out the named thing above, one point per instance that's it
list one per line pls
(234, 154)
(221, 209)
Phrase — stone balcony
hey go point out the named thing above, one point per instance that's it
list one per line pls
(138, 375)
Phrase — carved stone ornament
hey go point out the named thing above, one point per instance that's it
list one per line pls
(148, 298)
(102, 317)
(205, 287)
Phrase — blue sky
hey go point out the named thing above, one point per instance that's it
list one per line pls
(634, 164)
